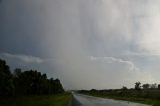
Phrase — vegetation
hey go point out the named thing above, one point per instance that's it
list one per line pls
(26, 83)
(146, 94)
(6, 80)
(29, 88)
(35, 83)
(34, 100)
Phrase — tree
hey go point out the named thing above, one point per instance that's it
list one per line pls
(6, 82)
(58, 86)
(145, 86)
(158, 86)
(33, 82)
(124, 88)
(137, 85)
(153, 86)
(29, 82)
(36, 83)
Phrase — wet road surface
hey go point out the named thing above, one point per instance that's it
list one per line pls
(84, 100)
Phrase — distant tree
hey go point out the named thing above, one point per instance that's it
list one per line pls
(6, 82)
(137, 85)
(153, 86)
(145, 86)
(158, 86)
(124, 88)
(93, 90)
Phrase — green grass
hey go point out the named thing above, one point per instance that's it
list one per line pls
(47, 100)
(153, 102)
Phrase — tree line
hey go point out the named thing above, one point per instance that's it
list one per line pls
(29, 82)
(144, 91)
(139, 86)
(146, 86)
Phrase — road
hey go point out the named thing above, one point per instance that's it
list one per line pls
(84, 100)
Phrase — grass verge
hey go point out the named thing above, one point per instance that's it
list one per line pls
(45, 100)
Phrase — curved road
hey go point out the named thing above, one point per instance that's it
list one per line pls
(84, 100)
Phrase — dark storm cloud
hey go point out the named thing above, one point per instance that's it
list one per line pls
(22, 25)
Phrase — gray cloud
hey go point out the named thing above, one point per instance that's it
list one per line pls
(88, 44)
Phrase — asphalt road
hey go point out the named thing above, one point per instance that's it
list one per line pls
(84, 100)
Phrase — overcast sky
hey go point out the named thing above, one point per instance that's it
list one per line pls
(87, 44)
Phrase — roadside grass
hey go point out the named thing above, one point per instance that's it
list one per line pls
(152, 102)
(45, 100)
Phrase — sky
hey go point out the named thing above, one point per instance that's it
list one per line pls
(87, 44)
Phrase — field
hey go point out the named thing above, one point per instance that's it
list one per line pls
(151, 97)
(47, 100)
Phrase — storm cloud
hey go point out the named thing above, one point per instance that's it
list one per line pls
(86, 43)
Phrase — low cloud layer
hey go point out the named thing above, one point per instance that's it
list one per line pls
(23, 58)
